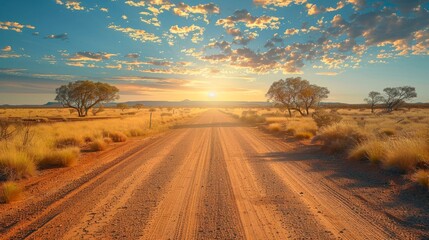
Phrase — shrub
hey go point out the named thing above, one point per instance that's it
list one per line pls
(10, 192)
(135, 132)
(117, 136)
(304, 135)
(59, 158)
(274, 127)
(406, 154)
(422, 177)
(372, 150)
(15, 165)
(340, 137)
(68, 142)
(97, 145)
(323, 118)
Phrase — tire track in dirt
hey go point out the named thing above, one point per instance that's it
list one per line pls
(219, 217)
(337, 209)
(53, 222)
(175, 216)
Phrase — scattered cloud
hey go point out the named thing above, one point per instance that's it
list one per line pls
(182, 32)
(250, 21)
(327, 73)
(132, 55)
(278, 3)
(185, 10)
(136, 34)
(90, 56)
(14, 26)
(7, 49)
(71, 5)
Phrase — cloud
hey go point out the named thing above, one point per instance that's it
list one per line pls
(124, 17)
(184, 31)
(327, 73)
(165, 4)
(132, 55)
(137, 34)
(90, 56)
(14, 26)
(250, 21)
(185, 10)
(62, 36)
(313, 9)
(71, 5)
(291, 31)
(7, 49)
(104, 9)
(278, 3)
(358, 4)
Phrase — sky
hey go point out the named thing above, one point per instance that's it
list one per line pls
(225, 50)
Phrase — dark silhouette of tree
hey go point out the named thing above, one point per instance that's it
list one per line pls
(83, 95)
(122, 106)
(395, 97)
(373, 99)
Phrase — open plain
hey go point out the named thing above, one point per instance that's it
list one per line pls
(216, 178)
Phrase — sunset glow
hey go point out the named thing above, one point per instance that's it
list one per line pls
(172, 50)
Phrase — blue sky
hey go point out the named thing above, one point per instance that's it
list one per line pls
(212, 50)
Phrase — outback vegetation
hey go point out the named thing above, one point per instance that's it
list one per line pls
(382, 132)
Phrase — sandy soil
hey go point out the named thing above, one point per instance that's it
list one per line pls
(216, 178)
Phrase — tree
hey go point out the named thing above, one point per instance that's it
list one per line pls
(373, 99)
(296, 94)
(139, 106)
(396, 96)
(122, 106)
(83, 95)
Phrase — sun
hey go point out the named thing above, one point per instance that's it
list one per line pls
(212, 94)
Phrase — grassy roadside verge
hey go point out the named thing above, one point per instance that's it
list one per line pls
(62, 144)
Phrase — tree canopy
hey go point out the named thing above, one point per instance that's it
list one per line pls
(296, 94)
(83, 95)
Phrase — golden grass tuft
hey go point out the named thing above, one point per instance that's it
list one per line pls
(59, 158)
(97, 145)
(65, 142)
(372, 150)
(341, 137)
(10, 192)
(303, 135)
(274, 127)
(15, 164)
(422, 177)
(406, 153)
(117, 136)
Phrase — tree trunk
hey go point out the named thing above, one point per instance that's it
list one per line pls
(290, 113)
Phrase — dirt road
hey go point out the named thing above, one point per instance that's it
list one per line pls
(216, 178)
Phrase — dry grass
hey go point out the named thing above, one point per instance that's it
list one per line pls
(341, 137)
(373, 150)
(59, 158)
(10, 192)
(422, 177)
(116, 136)
(274, 127)
(16, 165)
(406, 154)
(97, 145)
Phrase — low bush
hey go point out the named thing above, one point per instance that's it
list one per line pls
(406, 154)
(117, 136)
(340, 137)
(323, 118)
(274, 127)
(68, 142)
(97, 145)
(10, 192)
(15, 164)
(422, 177)
(372, 150)
(59, 158)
